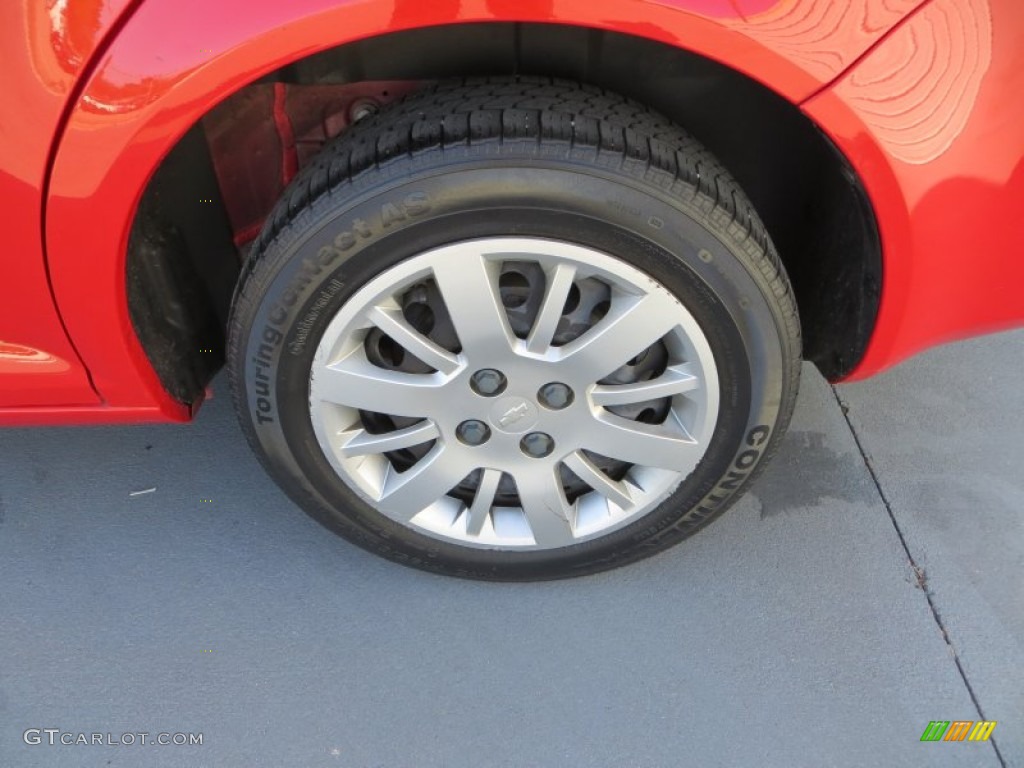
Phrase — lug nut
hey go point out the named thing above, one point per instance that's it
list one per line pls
(488, 382)
(555, 395)
(537, 444)
(473, 432)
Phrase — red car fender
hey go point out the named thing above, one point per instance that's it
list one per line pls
(931, 119)
(174, 59)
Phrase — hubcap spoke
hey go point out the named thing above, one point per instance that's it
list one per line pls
(391, 321)
(469, 288)
(548, 512)
(357, 383)
(615, 491)
(559, 282)
(483, 501)
(649, 445)
(406, 494)
(362, 443)
(676, 380)
(628, 329)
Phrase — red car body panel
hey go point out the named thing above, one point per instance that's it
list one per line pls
(933, 122)
(937, 147)
(46, 47)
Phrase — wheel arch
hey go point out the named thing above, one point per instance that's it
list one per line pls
(146, 98)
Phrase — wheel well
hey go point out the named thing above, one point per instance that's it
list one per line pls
(184, 255)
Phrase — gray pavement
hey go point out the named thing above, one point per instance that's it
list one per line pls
(793, 632)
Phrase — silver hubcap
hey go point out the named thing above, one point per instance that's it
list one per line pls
(513, 393)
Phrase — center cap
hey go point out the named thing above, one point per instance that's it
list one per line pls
(513, 415)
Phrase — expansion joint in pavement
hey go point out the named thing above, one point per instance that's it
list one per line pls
(919, 573)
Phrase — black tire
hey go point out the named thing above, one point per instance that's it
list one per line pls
(533, 157)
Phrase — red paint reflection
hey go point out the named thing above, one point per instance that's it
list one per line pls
(821, 36)
(14, 358)
(918, 90)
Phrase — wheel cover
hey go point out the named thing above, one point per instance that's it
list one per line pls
(407, 408)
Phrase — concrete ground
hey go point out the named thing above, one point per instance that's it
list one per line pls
(872, 581)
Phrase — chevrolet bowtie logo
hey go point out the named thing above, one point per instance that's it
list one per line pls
(513, 414)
